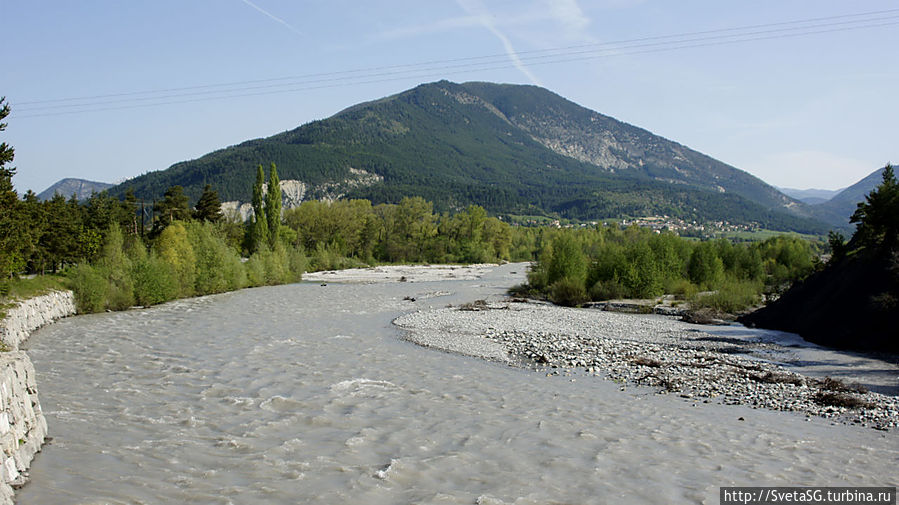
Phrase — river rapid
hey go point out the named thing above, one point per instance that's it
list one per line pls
(308, 394)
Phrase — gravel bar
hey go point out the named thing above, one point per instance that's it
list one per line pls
(654, 351)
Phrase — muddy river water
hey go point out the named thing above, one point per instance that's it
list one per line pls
(307, 394)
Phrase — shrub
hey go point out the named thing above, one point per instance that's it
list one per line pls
(154, 281)
(218, 266)
(611, 289)
(568, 292)
(682, 289)
(234, 272)
(733, 296)
(90, 287)
(255, 270)
(277, 269)
(297, 262)
(117, 266)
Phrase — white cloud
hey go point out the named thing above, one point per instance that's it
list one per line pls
(569, 14)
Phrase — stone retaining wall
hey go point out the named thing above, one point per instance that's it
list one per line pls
(33, 313)
(22, 423)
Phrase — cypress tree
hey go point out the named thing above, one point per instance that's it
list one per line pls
(260, 224)
(273, 205)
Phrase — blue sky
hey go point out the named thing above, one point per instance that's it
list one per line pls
(164, 81)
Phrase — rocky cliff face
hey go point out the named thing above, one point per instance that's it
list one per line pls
(294, 192)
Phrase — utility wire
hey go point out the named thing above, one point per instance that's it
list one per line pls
(522, 54)
(568, 54)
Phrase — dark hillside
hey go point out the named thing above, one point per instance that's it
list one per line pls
(849, 305)
(853, 303)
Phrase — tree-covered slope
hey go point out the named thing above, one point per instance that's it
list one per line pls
(504, 147)
(853, 302)
(839, 209)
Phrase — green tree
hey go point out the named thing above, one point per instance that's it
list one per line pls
(705, 268)
(273, 206)
(130, 213)
(13, 236)
(568, 260)
(877, 217)
(259, 230)
(7, 153)
(175, 249)
(208, 207)
(34, 214)
(173, 207)
(837, 244)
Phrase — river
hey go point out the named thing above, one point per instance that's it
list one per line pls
(307, 394)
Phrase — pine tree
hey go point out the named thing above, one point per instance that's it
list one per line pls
(260, 224)
(878, 215)
(173, 207)
(6, 152)
(209, 208)
(12, 231)
(273, 206)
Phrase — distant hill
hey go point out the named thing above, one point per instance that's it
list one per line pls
(840, 207)
(81, 188)
(810, 196)
(512, 149)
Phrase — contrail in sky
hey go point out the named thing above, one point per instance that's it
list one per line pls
(276, 18)
(478, 9)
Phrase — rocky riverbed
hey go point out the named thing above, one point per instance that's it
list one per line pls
(636, 350)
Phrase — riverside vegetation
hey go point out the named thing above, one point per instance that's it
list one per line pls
(576, 266)
(115, 258)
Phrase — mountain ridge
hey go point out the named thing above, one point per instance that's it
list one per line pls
(81, 188)
(811, 196)
(513, 149)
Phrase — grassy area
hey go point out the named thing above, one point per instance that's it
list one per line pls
(763, 234)
(22, 288)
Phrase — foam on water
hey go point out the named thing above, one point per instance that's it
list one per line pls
(254, 397)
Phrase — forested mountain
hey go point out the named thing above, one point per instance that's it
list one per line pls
(840, 207)
(512, 149)
(81, 188)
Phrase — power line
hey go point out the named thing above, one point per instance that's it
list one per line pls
(521, 54)
(190, 94)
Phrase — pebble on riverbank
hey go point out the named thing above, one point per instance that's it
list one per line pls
(648, 351)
